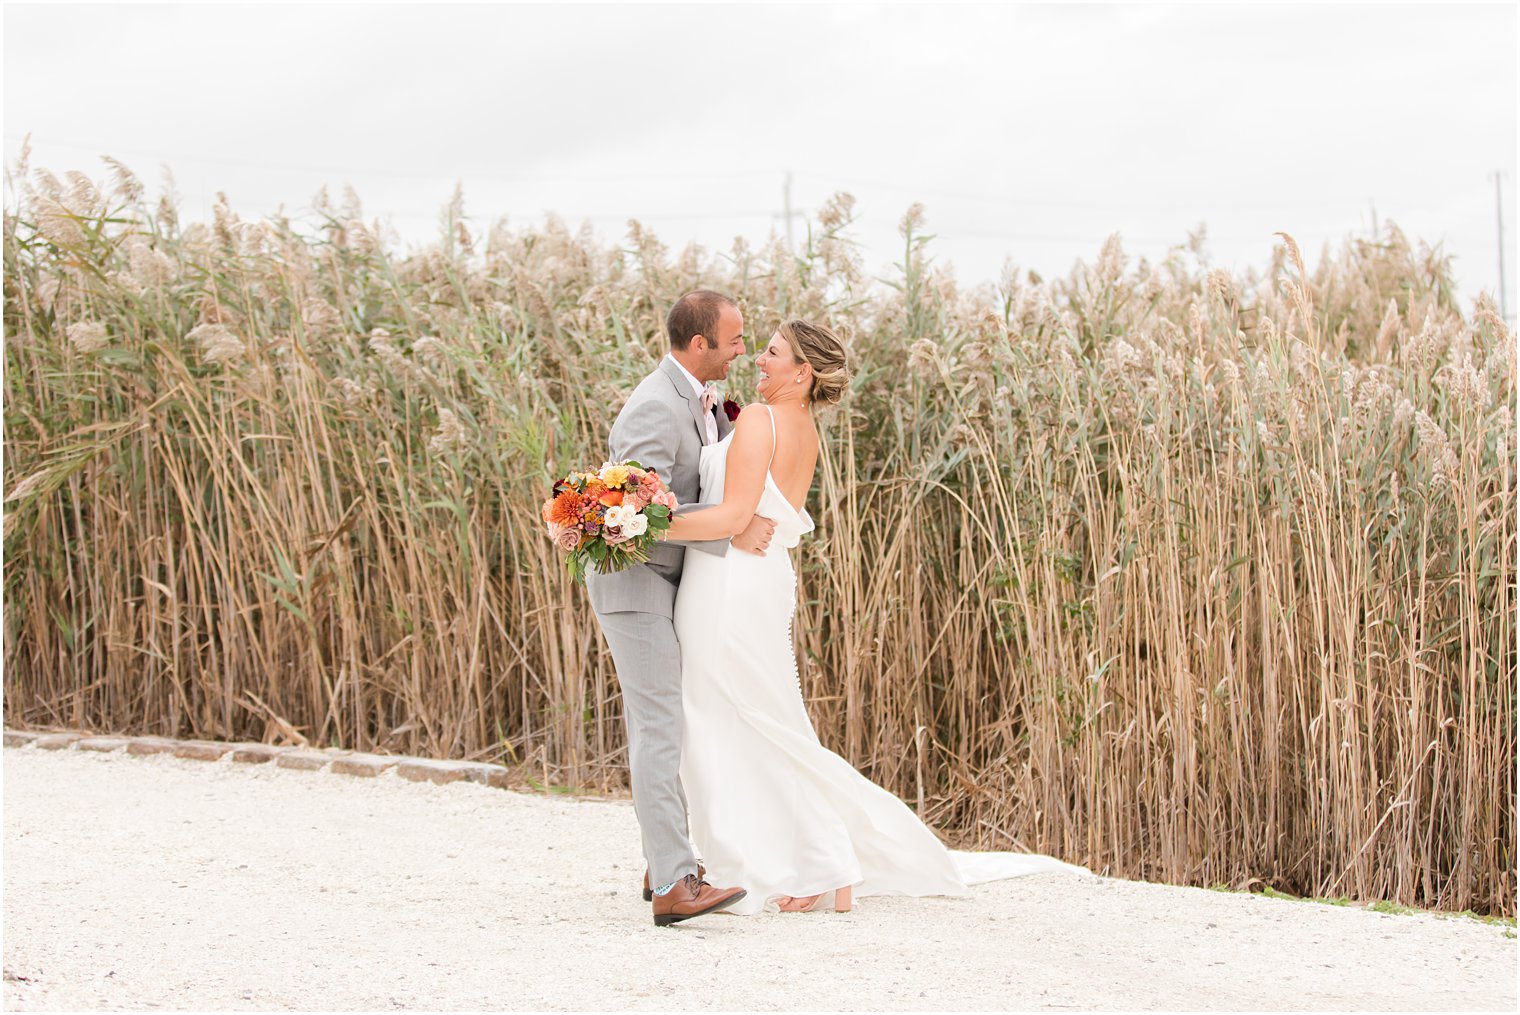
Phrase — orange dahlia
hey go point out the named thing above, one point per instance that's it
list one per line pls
(565, 509)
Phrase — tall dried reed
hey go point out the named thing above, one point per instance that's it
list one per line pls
(1183, 576)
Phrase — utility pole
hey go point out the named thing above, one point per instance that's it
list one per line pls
(1503, 281)
(786, 210)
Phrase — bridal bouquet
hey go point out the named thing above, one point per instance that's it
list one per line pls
(608, 519)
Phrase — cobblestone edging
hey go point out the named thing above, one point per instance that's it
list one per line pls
(343, 762)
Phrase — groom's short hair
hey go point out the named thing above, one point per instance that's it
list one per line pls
(695, 314)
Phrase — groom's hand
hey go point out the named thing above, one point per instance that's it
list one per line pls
(756, 537)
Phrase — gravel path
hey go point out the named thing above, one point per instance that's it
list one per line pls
(157, 882)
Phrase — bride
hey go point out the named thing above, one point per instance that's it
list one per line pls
(769, 806)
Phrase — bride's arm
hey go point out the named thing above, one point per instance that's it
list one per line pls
(744, 481)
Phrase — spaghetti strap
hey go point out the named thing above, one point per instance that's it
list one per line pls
(772, 413)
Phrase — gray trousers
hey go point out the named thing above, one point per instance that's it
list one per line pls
(648, 659)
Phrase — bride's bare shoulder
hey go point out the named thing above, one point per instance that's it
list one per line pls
(752, 432)
(755, 411)
(753, 422)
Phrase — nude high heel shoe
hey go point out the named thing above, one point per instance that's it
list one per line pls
(840, 897)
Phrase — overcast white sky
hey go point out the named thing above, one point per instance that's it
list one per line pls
(1029, 132)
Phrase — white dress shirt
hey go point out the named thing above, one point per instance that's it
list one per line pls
(708, 418)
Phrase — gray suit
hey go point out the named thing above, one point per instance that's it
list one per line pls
(661, 428)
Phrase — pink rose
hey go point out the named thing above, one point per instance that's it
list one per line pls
(614, 536)
(568, 538)
(665, 499)
(637, 501)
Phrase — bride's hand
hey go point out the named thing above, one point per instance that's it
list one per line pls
(756, 537)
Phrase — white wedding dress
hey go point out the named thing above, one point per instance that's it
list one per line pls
(770, 808)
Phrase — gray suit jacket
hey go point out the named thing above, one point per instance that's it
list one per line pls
(660, 428)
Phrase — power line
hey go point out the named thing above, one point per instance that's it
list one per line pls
(397, 175)
(950, 232)
(829, 179)
(944, 231)
(1041, 203)
(651, 217)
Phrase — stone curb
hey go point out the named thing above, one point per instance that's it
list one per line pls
(201, 750)
(364, 765)
(57, 741)
(254, 753)
(150, 745)
(306, 759)
(428, 770)
(302, 759)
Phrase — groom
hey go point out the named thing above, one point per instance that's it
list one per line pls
(669, 418)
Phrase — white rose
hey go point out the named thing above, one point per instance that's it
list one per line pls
(635, 526)
(618, 516)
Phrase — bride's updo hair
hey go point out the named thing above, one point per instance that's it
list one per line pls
(824, 352)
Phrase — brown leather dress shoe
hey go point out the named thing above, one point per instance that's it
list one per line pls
(649, 893)
(692, 897)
